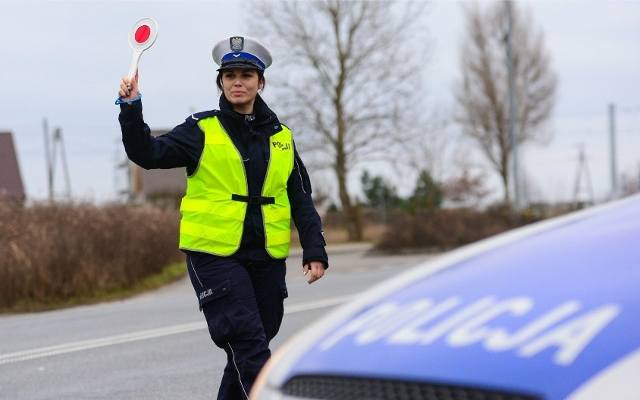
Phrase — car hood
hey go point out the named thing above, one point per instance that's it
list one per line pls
(538, 311)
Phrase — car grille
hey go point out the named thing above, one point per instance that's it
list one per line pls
(349, 388)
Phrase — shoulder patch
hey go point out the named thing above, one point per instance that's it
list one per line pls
(280, 126)
(195, 117)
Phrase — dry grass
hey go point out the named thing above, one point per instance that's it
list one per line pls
(50, 254)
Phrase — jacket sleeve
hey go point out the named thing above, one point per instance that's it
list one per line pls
(305, 215)
(180, 147)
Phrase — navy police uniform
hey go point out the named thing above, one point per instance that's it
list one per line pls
(241, 295)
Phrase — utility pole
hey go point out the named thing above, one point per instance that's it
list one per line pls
(122, 166)
(57, 138)
(580, 197)
(512, 108)
(51, 145)
(47, 156)
(612, 151)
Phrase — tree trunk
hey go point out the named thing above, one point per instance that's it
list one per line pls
(504, 174)
(351, 211)
(505, 185)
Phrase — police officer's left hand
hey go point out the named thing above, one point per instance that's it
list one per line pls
(314, 270)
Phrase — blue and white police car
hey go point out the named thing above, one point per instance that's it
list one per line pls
(548, 311)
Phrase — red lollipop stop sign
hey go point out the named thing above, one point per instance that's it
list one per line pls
(142, 34)
(142, 37)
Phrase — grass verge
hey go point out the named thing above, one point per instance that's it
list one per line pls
(169, 274)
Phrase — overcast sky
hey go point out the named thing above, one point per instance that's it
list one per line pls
(63, 60)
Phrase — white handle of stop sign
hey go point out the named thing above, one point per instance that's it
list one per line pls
(135, 59)
(142, 37)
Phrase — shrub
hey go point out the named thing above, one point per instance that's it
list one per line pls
(58, 252)
(444, 229)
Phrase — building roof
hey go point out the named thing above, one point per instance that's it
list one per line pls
(10, 178)
(162, 181)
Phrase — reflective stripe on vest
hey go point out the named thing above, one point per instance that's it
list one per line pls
(215, 204)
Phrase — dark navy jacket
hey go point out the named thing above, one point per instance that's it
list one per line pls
(183, 145)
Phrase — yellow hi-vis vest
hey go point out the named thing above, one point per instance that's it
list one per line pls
(215, 204)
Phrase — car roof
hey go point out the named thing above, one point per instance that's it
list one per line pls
(538, 311)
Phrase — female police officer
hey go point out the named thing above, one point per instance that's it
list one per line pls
(244, 182)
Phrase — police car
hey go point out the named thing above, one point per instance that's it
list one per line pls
(548, 311)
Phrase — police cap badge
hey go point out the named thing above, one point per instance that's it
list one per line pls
(241, 52)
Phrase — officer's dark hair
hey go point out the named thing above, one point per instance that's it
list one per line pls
(260, 79)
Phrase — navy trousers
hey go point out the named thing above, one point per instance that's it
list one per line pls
(242, 302)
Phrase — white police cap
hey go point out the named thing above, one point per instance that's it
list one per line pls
(241, 52)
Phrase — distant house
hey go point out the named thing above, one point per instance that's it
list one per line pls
(162, 187)
(11, 186)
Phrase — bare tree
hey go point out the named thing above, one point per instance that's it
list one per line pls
(467, 189)
(352, 80)
(483, 93)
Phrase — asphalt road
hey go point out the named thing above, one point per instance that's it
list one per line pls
(156, 346)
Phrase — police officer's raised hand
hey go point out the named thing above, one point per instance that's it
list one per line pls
(129, 88)
(314, 270)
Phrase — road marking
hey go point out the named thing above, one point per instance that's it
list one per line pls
(71, 347)
(313, 305)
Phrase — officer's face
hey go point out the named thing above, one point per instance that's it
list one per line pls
(240, 88)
